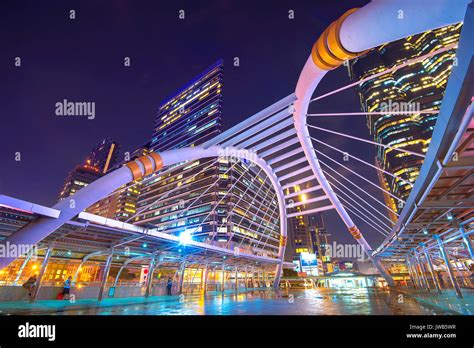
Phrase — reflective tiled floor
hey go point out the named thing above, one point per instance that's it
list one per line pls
(293, 302)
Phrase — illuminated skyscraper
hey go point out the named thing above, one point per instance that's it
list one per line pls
(98, 162)
(415, 87)
(193, 114)
(214, 199)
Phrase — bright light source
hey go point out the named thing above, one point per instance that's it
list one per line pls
(185, 237)
(69, 252)
(303, 198)
(449, 216)
(144, 245)
(425, 231)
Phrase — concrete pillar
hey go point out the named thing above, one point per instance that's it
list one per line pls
(467, 241)
(445, 257)
(105, 275)
(431, 268)
(44, 264)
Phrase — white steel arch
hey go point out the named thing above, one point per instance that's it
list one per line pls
(39, 229)
(348, 37)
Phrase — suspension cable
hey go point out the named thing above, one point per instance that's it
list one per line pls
(360, 176)
(352, 199)
(377, 229)
(353, 184)
(362, 161)
(368, 141)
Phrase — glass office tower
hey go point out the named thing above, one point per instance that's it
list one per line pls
(215, 200)
(415, 87)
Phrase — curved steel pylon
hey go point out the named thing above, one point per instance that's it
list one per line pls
(355, 32)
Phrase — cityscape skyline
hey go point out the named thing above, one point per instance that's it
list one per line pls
(147, 98)
(238, 159)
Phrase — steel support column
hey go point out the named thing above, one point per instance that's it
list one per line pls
(182, 269)
(410, 272)
(23, 265)
(103, 283)
(149, 280)
(467, 241)
(246, 278)
(236, 280)
(204, 277)
(417, 276)
(44, 264)
(445, 257)
(431, 268)
(423, 272)
(460, 273)
(223, 277)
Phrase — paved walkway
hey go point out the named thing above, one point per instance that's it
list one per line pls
(292, 302)
(58, 306)
(446, 301)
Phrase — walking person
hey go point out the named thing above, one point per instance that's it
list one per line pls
(169, 285)
(67, 288)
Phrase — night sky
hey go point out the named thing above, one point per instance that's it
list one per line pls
(82, 60)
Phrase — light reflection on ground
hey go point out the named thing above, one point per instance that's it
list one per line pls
(293, 302)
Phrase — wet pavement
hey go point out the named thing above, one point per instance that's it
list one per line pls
(360, 301)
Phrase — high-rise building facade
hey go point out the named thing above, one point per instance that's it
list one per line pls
(98, 162)
(306, 233)
(104, 156)
(410, 89)
(193, 115)
(215, 200)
